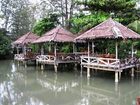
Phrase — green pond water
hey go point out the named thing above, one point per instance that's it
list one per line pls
(31, 86)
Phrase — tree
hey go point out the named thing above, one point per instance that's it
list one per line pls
(45, 24)
(121, 10)
(5, 44)
(20, 21)
(6, 12)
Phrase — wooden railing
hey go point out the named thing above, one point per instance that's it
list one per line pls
(45, 58)
(19, 57)
(102, 62)
(59, 57)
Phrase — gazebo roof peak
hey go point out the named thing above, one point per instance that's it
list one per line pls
(58, 34)
(109, 29)
(26, 39)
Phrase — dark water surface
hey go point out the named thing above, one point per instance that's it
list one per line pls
(31, 86)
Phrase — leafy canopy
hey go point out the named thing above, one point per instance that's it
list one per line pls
(45, 24)
(5, 43)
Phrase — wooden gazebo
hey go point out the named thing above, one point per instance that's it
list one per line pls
(23, 43)
(108, 30)
(54, 36)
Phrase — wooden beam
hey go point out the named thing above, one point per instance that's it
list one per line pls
(93, 47)
(88, 49)
(132, 50)
(116, 50)
(116, 77)
(42, 49)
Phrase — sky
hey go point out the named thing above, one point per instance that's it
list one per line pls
(34, 1)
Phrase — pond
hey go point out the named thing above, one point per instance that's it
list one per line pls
(32, 86)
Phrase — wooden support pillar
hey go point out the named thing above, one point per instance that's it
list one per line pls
(132, 72)
(42, 53)
(25, 64)
(116, 77)
(42, 67)
(81, 70)
(55, 59)
(24, 50)
(93, 47)
(88, 72)
(17, 50)
(116, 50)
(119, 75)
(36, 62)
(132, 50)
(74, 48)
(88, 49)
(42, 49)
(75, 66)
(55, 68)
(18, 63)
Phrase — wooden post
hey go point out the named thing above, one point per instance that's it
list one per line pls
(132, 72)
(93, 47)
(55, 68)
(42, 53)
(116, 76)
(88, 69)
(25, 64)
(74, 48)
(81, 70)
(55, 59)
(132, 50)
(17, 50)
(55, 50)
(42, 67)
(88, 49)
(24, 49)
(88, 72)
(116, 50)
(42, 50)
(119, 75)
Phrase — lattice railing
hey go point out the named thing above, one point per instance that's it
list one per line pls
(19, 57)
(103, 62)
(45, 58)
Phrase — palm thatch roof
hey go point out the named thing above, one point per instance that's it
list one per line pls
(57, 34)
(26, 39)
(109, 29)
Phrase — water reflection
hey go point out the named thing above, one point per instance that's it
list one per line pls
(31, 86)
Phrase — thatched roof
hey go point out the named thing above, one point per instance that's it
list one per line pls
(26, 39)
(109, 29)
(57, 34)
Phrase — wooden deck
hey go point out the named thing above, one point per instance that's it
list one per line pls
(25, 58)
(109, 64)
(60, 58)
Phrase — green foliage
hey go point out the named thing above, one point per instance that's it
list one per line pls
(45, 24)
(120, 8)
(5, 44)
(135, 26)
(83, 22)
(66, 48)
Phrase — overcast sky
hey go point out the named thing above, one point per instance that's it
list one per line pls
(34, 1)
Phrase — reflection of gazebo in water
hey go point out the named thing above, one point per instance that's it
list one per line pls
(23, 42)
(55, 36)
(108, 30)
